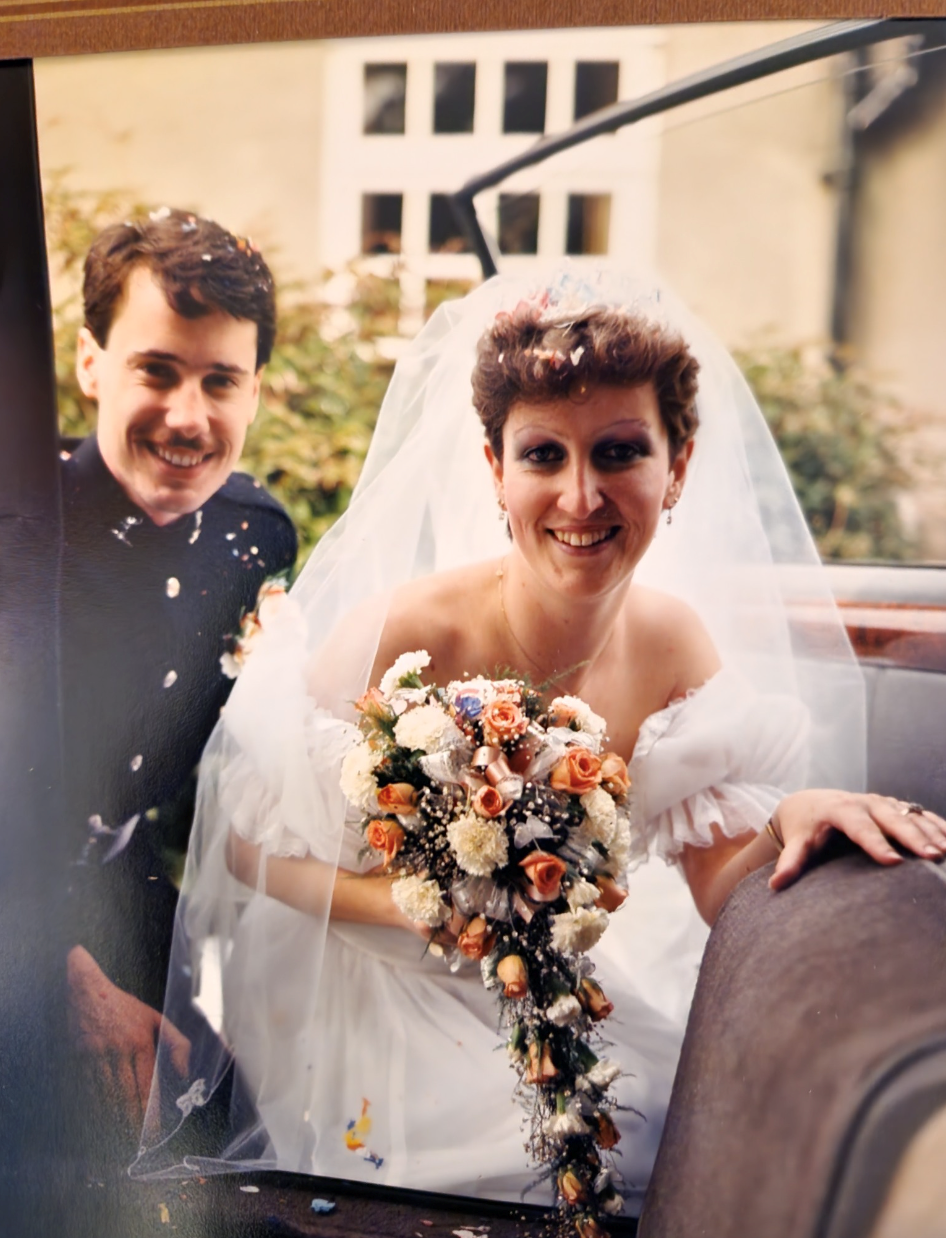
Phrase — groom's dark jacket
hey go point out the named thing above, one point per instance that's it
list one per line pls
(146, 614)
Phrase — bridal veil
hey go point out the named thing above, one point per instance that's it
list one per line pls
(738, 551)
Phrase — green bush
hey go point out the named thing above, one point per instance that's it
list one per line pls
(843, 443)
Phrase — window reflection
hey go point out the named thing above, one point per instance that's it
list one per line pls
(596, 85)
(381, 223)
(526, 84)
(385, 94)
(445, 236)
(454, 97)
(518, 223)
(589, 221)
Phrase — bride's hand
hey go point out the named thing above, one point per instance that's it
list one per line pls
(806, 819)
(441, 935)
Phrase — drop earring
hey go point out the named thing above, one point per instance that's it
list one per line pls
(502, 506)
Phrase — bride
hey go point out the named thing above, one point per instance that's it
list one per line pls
(604, 406)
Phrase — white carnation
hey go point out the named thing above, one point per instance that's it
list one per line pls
(420, 900)
(601, 814)
(593, 725)
(406, 664)
(582, 893)
(479, 844)
(564, 1010)
(601, 1075)
(574, 932)
(608, 1179)
(561, 1125)
(619, 848)
(357, 776)
(427, 728)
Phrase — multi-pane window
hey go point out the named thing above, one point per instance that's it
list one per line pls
(518, 223)
(445, 236)
(454, 97)
(589, 220)
(526, 85)
(596, 85)
(385, 95)
(381, 215)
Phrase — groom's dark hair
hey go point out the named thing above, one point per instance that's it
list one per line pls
(200, 267)
(535, 354)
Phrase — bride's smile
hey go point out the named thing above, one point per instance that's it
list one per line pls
(584, 481)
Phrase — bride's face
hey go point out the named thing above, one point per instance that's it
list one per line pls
(584, 483)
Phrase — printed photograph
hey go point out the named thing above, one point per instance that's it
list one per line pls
(502, 632)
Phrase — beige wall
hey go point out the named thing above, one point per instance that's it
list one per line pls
(233, 133)
(899, 321)
(746, 222)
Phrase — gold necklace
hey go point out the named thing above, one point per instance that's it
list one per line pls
(553, 678)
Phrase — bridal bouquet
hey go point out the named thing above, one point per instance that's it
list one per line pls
(507, 829)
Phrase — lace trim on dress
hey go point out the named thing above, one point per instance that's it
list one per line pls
(735, 753)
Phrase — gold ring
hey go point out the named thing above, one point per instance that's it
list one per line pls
(770, 830)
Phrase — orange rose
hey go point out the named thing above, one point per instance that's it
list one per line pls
(588, 1227)
(614, 776)
(539, 1065)
(571, 1187)
(545, 873)
(561, 714)
(512, 972)
(488, 802)
(386, 836)
(578, 772)
(373, 705)
(476, 940)
(610, 895)
(398, 798)
(606, 1133)
(593, 1001)
(502, 721)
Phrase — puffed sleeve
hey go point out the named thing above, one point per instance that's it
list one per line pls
(725, 755)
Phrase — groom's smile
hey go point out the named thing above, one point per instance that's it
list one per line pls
(176, 396)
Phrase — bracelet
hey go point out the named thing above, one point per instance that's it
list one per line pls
(774, 834)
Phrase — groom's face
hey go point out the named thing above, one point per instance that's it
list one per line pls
(175, 397)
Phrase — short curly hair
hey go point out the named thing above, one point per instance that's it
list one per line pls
(537, 354)
(200, 266)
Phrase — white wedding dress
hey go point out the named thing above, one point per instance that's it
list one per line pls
(411, 1053)
(363, 1058)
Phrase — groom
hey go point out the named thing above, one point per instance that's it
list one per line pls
(165, 550)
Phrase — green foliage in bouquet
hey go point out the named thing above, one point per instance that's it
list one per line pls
(843, 442)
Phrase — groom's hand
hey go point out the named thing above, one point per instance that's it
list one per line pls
(118, 1036)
